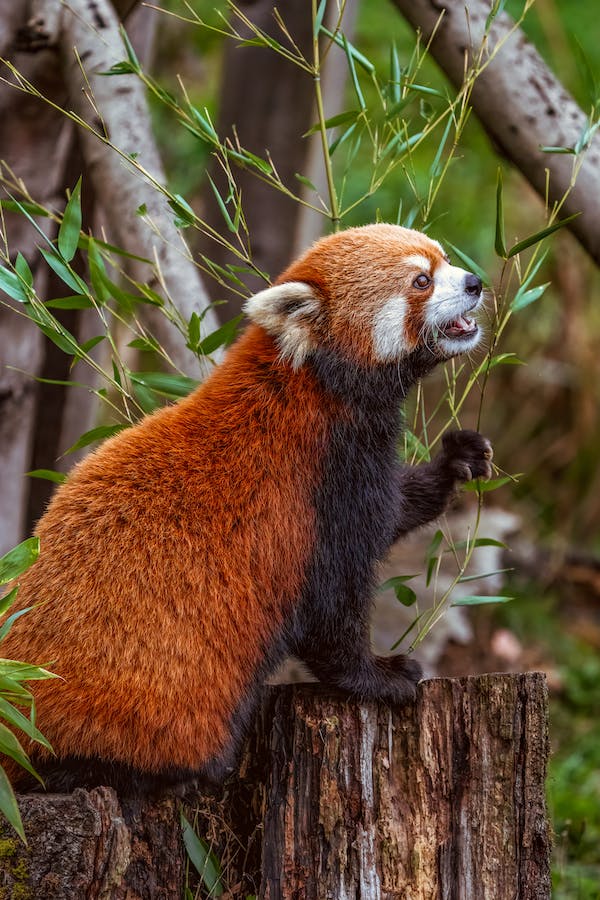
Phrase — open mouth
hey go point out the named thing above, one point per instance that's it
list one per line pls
(460, 327)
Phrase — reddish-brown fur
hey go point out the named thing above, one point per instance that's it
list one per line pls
(174, 554)
(156, 591)
(338, 263)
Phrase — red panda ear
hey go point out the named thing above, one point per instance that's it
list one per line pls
(287, 311)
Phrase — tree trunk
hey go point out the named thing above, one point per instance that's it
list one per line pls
(519, 101)
(444, 799)
(271, 111)
(89, 846)
(333, 799)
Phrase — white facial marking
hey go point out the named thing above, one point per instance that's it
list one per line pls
(389, 342)
(283, 311)
(448, 302)
(419, 262)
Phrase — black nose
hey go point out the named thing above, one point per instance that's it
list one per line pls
(473, 285)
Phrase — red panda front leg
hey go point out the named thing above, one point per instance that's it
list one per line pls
(348, 663)
(426, 490)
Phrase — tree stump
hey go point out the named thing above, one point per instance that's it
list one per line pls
(333, 799)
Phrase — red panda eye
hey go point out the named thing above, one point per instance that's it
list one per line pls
(422, 281)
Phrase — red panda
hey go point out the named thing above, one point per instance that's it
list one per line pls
(189, 554)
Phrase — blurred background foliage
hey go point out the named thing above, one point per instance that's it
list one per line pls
(542, 416)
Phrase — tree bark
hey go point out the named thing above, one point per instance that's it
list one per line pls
(332, 799)
(520, 103)
(90, 846)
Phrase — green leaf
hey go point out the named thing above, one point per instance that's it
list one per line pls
(74, 301)
(8, 805)
(483, 575)
(505, 359)
(22, 269)
(478, 542)
(60, 268)
(7, 601)
(345, 44)
(399, 146)
(414, 448)
(20, 671)
(471, 264)
(479, 600)
(353, 76)
(147, 344)
(203, 859)
(11, 284)
(16, 206)
(540, 235)
(185, 215)
(569, 150)
(395, 74)
(430, 555)
(222, 207)
(165, 383)
(404, 595)
(68, 233)
(305, 181)
(222, 336)
(8, 624)
(194, 331)
(89, 345)
(350, 115)
(48, 475)
(121, 68)
(319, 18)
(524, 298)
(483, 487)
(499, 242)
(19, 559)
(96, 434)
(11, 746)
(16, 718)
(131, 56)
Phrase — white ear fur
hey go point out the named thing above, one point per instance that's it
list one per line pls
(285, 311)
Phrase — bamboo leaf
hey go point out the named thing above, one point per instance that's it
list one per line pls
(19, 559)
(431, 557)
(221, 337)
(203, 859)
(70, 227)
(96, 434)
(471, 264)
(165, 383)
(353, 76)
(540, 235)
(61, 268)
(351, 115)
(23, 271)
(499, 242)
(395, 74)
(524, 298)
(11, 284)
(8, 805)
(476, 600)
(11, 746)
(483, 487)
(478, 577)
(48, 475)
(74, 301)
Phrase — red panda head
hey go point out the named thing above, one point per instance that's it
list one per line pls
(373, 295)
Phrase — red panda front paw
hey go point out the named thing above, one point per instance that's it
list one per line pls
(467, 454)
